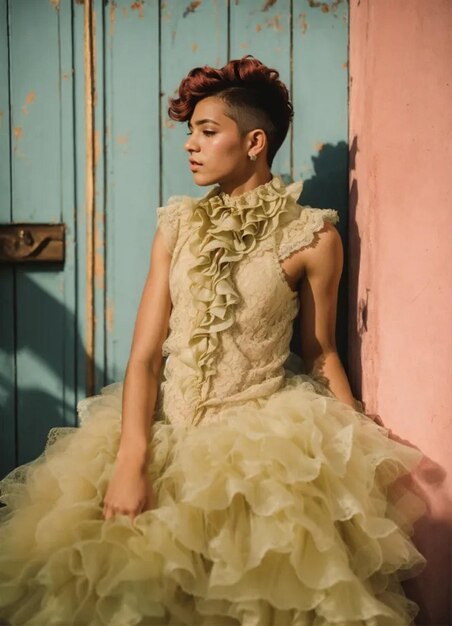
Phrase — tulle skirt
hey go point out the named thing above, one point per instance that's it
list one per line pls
(283, 514)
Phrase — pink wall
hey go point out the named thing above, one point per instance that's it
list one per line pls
(401, 250)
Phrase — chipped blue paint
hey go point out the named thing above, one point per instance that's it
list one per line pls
(140, 162)
(37, 355)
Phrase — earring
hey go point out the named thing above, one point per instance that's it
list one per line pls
(253, 157)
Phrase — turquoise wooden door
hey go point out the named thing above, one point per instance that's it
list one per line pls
(38, 306)
(85, 139)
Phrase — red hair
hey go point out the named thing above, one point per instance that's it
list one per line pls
(254, 95)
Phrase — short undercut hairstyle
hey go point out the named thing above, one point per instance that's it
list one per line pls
(254, 95)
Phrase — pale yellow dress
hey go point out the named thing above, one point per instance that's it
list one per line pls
(273, 500)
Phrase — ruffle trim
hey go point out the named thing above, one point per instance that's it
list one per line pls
(279, 518)
(169, 218)
(301, 231)
(224, 229)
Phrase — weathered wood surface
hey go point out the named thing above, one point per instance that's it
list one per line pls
(101, 161)
(36, 137)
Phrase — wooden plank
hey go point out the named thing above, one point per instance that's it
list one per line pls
(67, 208)
(192, 34)
(90, 198)
(320, 69)
(320, 130)
(99, 23)
(263, 29)
(7, 325)
(38, 160)
(132, 148)
(81, 357)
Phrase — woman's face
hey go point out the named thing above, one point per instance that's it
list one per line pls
(217, 152)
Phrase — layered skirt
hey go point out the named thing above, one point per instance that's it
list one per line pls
(289, 512)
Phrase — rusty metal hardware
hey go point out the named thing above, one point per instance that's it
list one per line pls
(32, 243)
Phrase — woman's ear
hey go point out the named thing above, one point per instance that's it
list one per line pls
(257, 141)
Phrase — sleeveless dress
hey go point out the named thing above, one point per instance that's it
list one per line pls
(275, 503)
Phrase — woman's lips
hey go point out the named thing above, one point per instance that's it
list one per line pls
(194, 165)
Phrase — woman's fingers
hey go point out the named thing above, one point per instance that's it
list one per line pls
(110, 511)
(130, 498)
(107, 512)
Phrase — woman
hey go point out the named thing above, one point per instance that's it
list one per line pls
(220, 488)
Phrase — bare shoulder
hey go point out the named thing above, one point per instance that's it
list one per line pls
(326, 251)
(322, 257)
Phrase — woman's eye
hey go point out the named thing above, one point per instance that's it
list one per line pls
(208, 133)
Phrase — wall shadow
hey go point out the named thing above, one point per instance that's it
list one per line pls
(357, 309)
(46, 333)
(433, 538)
(328, 189)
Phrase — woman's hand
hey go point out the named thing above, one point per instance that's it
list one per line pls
(129, 491)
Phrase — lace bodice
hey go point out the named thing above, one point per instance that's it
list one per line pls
(231, 321)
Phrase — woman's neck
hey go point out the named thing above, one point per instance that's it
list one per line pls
(239, 186)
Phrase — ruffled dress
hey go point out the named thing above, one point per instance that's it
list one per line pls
(275, 503)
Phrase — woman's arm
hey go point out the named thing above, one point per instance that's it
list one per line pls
(129, 491)
(322, 269)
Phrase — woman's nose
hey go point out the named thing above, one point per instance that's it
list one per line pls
(190, 144)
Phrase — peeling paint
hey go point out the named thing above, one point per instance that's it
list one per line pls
(112, 19)
(275, 23)
(123, 140)
(138, 6)
(90, 200)
(125, 11)
(94, 53)
(99, 269)
(191, 8)
(109, 316)
(325, 7)
(194, 47)
(344, 65)
(268, 4)
(55, 4)
(30, 97)
(18, 135)
(258, 28)
(303, 22)
(244, 44)
(68, 75)
(1, 118)
(99, 255)
(319, 146)
(168, 123)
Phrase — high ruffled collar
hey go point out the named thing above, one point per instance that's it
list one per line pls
(261, 195)
(264, 192)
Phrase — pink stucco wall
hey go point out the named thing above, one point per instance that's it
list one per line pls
(401, 250)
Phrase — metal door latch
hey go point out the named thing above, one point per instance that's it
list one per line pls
(32, 243)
